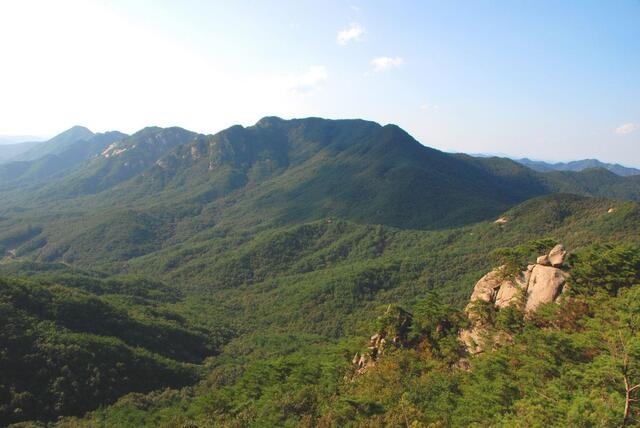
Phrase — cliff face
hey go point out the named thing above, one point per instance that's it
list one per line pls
(542, 282)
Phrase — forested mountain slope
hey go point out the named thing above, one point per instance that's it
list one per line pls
(282, 243)
(297, 298)
(71, 341)
(161, 187)
(55, 145)
(51, 163)
(299, 319)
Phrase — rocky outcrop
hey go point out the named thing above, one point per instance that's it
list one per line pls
(393, 331)
(487, 288)
(511, 289)
(557, 255)
(545, 286)
(542, 282)
(366, 360)
(10, 254)
(543, 260)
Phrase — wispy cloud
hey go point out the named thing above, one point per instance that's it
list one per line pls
(384, 63)
(309, 81)
(427, 106)
(352, 33)
(627, 128)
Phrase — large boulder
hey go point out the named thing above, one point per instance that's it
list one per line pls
(557, 255)
(543, 260)
(545, 285)
(511, 290)
(487, 287)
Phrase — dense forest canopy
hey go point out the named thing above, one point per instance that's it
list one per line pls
(173, 279)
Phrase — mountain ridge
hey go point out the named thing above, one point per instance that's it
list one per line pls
(55, 144)
(56, 159)
(578, 165)
(170, 184)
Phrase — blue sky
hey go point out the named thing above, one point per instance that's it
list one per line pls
(552, 80)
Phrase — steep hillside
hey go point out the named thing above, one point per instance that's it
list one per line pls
(71, 342)
(296, 170)
(119, 161)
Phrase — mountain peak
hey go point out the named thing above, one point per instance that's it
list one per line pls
(73, 134)
(269, 121)
(79, 128)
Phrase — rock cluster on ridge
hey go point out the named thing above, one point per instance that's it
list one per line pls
(366, 360)
(542, 282)
(392, 331)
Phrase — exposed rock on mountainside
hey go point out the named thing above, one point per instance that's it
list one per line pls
(368, 359)
(545, 285)
(542, 282)
(393, 328)
(557, 255)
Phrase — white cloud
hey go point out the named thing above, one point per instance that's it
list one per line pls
(352, 33)
(627, 128)
(309, 81)
(384, 63)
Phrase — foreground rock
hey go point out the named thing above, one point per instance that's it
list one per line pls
(557, 255)
(545, 286)
(541, 283)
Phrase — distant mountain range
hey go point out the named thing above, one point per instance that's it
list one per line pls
(17, 139)
(35, 161)
(168, 183)
(12, 149)
(9, 150)
(578, 165)
(55, 145)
